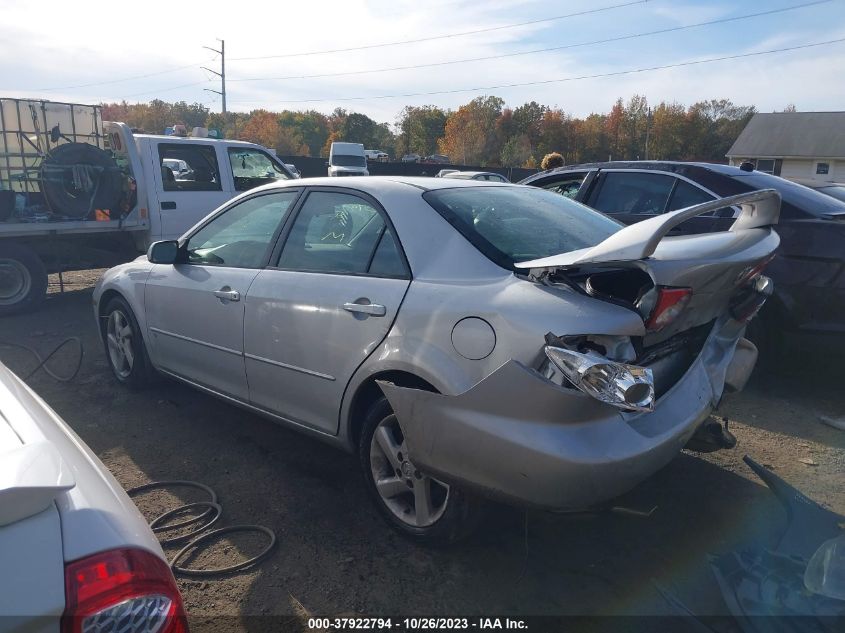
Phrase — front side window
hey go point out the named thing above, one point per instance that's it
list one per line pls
(635, 193)
(341, 233)
(189, 167)
(517, 224)
(567, 187)
(251, 167)
(241, 236)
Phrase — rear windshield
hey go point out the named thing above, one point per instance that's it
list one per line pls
(517, 224)
(803, 198)
(836, 191)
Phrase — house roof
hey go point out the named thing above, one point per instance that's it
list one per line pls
(810, 134)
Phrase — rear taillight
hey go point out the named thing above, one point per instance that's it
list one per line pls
(669, 304)
(129, 590)
(747, 303)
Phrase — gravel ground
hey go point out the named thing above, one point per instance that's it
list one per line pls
(336, 557)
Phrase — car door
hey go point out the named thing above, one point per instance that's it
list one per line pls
(188, 197)
(329, 301)
(195, 308)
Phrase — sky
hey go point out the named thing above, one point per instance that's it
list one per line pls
(88, 51)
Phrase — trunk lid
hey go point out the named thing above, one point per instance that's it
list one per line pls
(628, 267)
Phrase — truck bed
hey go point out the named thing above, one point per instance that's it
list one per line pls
(25, 229)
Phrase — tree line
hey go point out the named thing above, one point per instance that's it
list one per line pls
(483, 132)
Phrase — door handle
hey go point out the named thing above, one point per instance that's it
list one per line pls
(168, 204)
(372, 309)
(227, 294)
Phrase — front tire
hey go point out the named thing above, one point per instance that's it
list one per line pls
(125, 350)
(415, 504)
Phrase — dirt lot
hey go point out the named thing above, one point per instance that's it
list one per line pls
(335, 556)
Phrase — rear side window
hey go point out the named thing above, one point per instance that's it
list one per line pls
(517, 224)
(635, 193)
(687, 195)
(341, 233)
(189, 167)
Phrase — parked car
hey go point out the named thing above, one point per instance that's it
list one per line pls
(411, 158)
(440, 159)
(542, 354)
(809, 284)
(476, 175)
(832, 189)
(180, 168)
(376, 154)
(293, 170)
(73, 545)
(443, 172)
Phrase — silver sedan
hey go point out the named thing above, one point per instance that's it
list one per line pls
(467, 339)
(77, 553)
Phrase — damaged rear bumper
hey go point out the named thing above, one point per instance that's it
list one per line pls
(521, 438)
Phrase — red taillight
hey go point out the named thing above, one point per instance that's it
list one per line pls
(128, 585)
(670, 303)
(753, 271)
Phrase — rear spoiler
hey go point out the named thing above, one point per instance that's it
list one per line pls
(639, 241)
(31, 477)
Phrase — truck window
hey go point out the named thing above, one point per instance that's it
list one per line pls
(189, 167)
(251, 167)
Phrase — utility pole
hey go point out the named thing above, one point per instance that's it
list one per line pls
(647, 130)
(221, 74)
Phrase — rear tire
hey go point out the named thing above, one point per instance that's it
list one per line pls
(23, 279)
(124, 345)
(416, 505)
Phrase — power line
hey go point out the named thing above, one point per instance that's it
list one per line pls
(117, 81)
(539, 50)
(442, 37)
(566, 79)
(148, 92)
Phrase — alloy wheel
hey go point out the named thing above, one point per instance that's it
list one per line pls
(412, 496)
(119, 342)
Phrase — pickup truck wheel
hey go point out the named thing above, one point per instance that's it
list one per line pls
(415, 504)
(124, 345)
(23, 279)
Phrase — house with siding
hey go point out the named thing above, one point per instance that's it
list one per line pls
(795, 145)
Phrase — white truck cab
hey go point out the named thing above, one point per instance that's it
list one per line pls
(347, 159)
(77, 192)
(217, 170)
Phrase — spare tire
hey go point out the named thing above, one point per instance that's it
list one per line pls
(96, 183)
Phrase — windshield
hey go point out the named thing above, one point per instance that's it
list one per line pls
(348, 160)
(517, 224)
(798, 196)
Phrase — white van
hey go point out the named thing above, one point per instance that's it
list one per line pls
(347, 159)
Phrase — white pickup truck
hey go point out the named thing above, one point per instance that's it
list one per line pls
(78, 193)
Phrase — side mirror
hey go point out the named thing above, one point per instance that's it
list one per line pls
(164, 252)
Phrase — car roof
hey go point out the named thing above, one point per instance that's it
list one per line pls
(657, 165)
(376, 184)
(469, 174)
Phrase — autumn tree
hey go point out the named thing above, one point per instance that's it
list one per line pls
(262, 128)
(470, 134)
(419, 128)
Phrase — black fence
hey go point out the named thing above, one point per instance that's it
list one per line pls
(313, 167)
